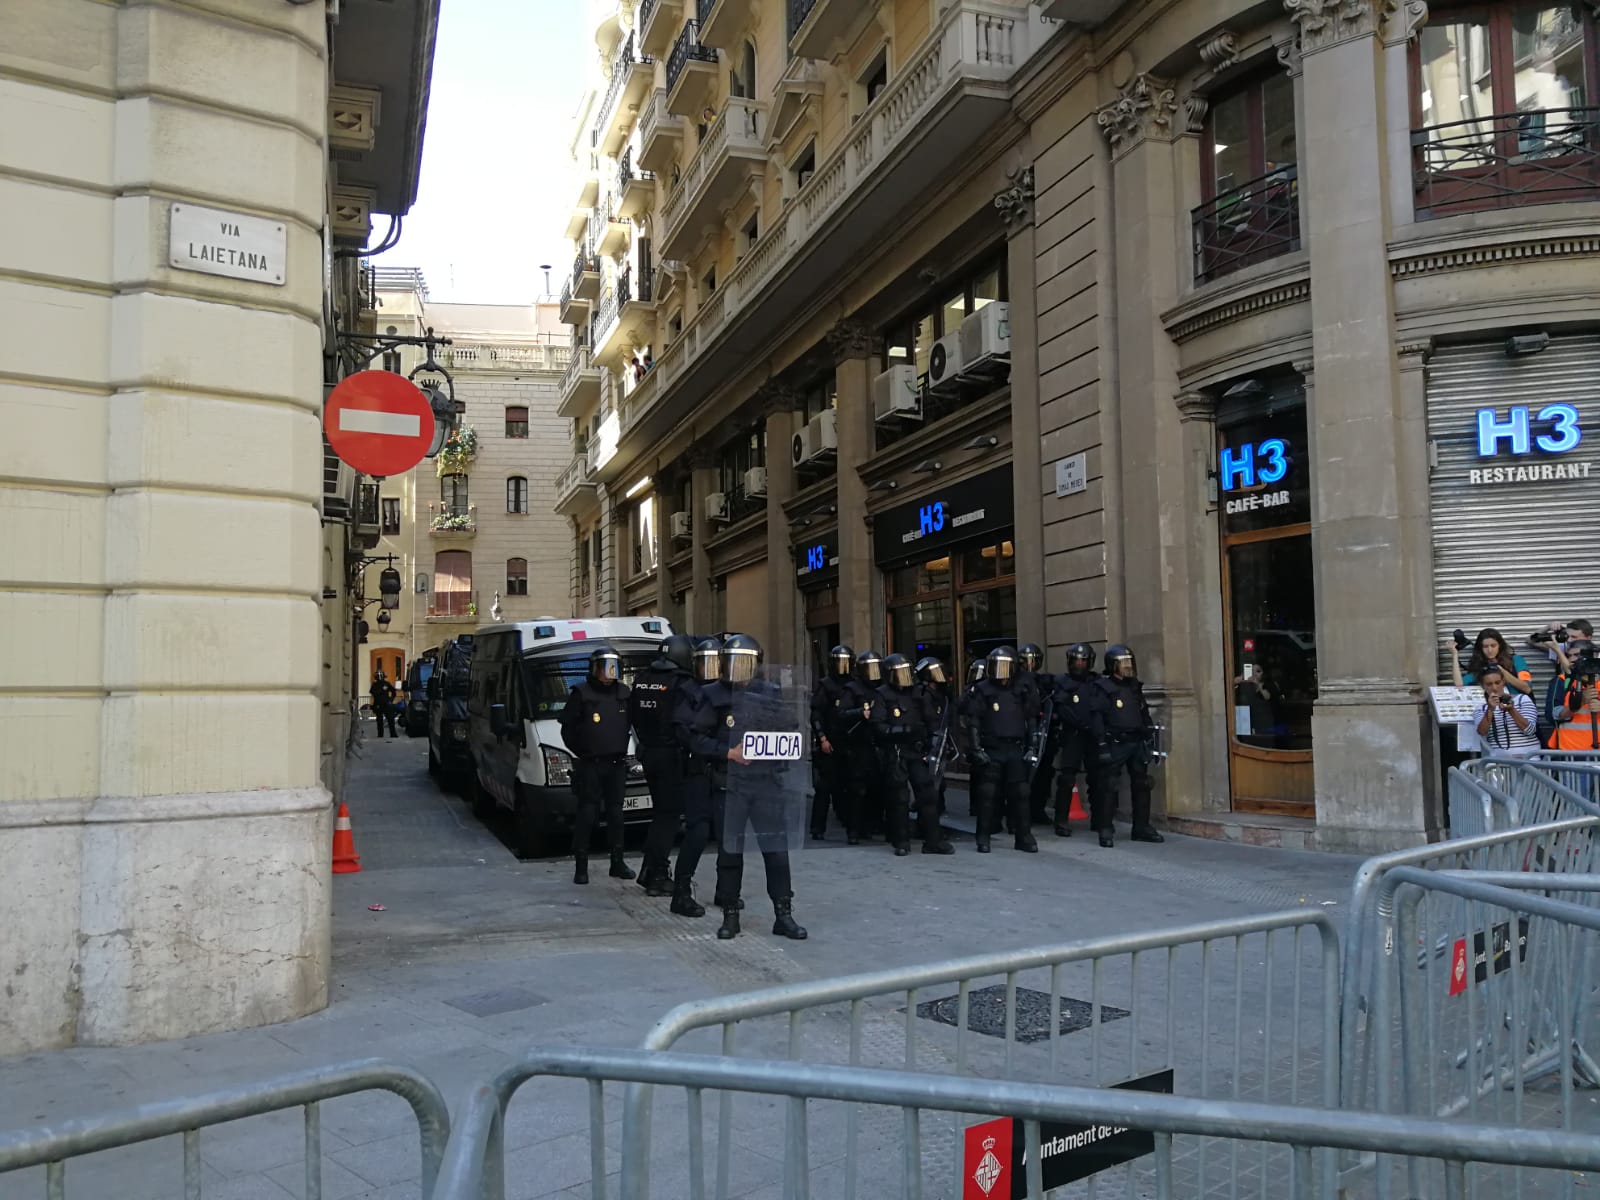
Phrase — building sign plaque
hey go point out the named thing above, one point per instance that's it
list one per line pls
(954, 513)
(1544, 436)
(234, 245)
(1072, 475)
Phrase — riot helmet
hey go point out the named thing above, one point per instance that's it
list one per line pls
(840, 660)
(931, 672)
(1116, 656)
(741, 656)
(897, 670)
(707, 660)
(1080, 659)
(1002, 664)
(1030, 656)
(977, 671)
(605, 667)
(869, 668)
(679, 651)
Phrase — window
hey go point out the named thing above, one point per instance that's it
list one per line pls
(873, 81)
(1249, 179)
(516, 577)
(452, 584)
(516, 494)
(391, 360)
(583, 565)
(956, 607)
(750, 234)
(675, 325)
(801, 170)
(517, 422)
(391, 516)
(742, 82)
(708, 282)
(453, 494)
(643, 534)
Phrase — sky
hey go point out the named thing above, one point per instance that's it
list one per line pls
(492, 202)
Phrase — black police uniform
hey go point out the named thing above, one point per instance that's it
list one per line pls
(1123, 729)
(652, 706)
(830, 773)
(936, 703)
(1078, 747)
(1043, 686)
(865, 814)
(964, 714)
(999, 724)
(594, 725)
(383, 705)
(904, 722)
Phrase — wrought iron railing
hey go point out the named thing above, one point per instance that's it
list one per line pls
(584, 264)
(685, 50)
(625, 172)
(799, 10)
(367, 505)
(566, 294)
(704, 9)
(605, 316)
(1247, 225)
(646, 7)
(620, 67)
(1501, 161)
(625, 289)
(453, 606)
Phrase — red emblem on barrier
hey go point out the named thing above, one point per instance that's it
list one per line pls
(1458, 967)
(986, 1161)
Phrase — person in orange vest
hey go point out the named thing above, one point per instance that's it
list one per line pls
(1578, 715)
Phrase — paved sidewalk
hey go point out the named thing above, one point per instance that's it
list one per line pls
(477, 956)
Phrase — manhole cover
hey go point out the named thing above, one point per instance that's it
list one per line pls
(493, 1004)
(986, 1012)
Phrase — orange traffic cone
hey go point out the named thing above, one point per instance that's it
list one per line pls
(345, 859)
(1076, 813)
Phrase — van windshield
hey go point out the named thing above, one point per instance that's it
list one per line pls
(550, 679)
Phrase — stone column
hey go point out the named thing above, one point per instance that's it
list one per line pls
(1027, 470)
(856, 353)
(619, 550)
(703, 481)
(1161, 513)
(1399, 30)
(783, 419)
(666, 487)
(1211, 697)
(1369, 728)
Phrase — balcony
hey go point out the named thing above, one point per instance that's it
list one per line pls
(452, 521)
(1250, 224)
(626, 319)
(656, 21)
(631, 76)
(608, 233)
(945, 104)
(817, 26)
(660, 134)
(691, 73)
(588, 193)
(580, 385)
(1543, 156)
(575, 487)
(722, 22)
(453, 606)
(574, 310)
(636, 190)
(585, 278)
(731, 154)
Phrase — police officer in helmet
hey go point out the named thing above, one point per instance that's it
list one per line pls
(1000, 722)
(699, 818)
(1034, 676)
(1123, 732)
(710, 728)
(594, 725)
(1074, 710)
(856, 717)
(830, 772)
(905, 725)
(652, 704)
(934, 687)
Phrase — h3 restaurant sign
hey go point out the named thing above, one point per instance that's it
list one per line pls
(1528, 445)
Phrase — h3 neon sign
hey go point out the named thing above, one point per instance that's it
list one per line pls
(1257, 464)
(1517, 430)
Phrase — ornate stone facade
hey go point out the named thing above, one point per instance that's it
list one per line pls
(1016, 202)
(1325, 23)
(1143, 110)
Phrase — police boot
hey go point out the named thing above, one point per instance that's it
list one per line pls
(1106, 839)
(684, 903)
(985, 821)
(1147, 834)
(1019, 826)
(729, 928)
(783, 924)
(620, 869)
(580, 868)
(660, 884)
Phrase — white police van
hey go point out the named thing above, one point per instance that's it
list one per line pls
(521, 675)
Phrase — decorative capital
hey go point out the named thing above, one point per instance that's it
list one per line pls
(1289, 55)
(774, 398)
(1305, 368)
(1015, 203)
(851, 339)
(1195, 107)
(1220, 50)
(1411, 16)
(1413, 356)
(701, 457)
(1143, 110)
(1196, 406)
(1325, 23)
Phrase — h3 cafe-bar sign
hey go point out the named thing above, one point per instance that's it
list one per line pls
(1552, 432)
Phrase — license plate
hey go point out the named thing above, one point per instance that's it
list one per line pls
(635, 803)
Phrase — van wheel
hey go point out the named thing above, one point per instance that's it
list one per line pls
(533, 835)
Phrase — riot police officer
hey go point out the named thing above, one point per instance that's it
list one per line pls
(652, 704)
(594, 725)
(1033, 676)
(1000, 721)
(933, 686)
(977, 671)
(856, 716)
(710, 728)
(829, 765)
(905, 723)
(1073, 710)
(1124, 729)
(698, 814)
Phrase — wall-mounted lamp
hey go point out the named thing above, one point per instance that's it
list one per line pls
(383, 622)
(1519, 344)
(882, 485)
(984, 441)
(928, 466)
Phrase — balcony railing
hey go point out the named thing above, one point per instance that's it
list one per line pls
(1250, 224)
(453, 606)
(646, 7)
(704, 10)
(685, 50)
(737, 127)
(625, 288)
(578, 365)
(584, 264)
(1536, 157)
(577, 475)
(619, 74)
(799, 10)
(453, 518)
(367, 505)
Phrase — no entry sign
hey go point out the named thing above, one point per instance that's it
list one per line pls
(379, 423)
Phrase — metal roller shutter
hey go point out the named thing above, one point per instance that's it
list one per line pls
(1513, 555)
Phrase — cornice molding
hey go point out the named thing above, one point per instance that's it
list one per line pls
(1243, 304)
(1466, 258)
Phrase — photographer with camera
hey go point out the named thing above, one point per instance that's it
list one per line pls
(1574, 703)
(1490, 650)
(1506, 720)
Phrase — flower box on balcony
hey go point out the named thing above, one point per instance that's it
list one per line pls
(460, 448)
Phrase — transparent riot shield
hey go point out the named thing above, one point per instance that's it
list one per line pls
(769, 795)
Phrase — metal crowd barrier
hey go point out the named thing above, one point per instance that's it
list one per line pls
(1243, 1008)
(1307, 1136)
(1524, 791)
(52, 1145)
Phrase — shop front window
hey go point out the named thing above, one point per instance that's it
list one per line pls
(956, 607)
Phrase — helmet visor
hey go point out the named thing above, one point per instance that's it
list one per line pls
(871, 670)
(739, 666)
(839, 664)
(934, 672)
(705, 665)
(1030, 658)
(605, 668)
(900, 675)
(1124, 666)
(1000, 668)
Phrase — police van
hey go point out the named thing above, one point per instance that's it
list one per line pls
(520, 677)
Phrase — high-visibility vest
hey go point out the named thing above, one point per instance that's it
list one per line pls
(1580, 733)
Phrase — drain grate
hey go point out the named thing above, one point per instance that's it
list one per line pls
(986, 1013)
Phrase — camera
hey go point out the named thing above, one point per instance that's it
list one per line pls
(1585, 664)
(1543, 637)
(1462, 641)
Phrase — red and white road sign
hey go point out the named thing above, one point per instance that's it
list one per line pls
(379, 423)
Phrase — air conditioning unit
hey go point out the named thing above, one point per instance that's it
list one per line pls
(986, 340)
(944, 364)
(896, 396)
(717, 507)
(818, 440)
(800, 446)
(755, 481)
(681, 525)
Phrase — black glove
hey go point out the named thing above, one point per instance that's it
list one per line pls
(978, 756)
